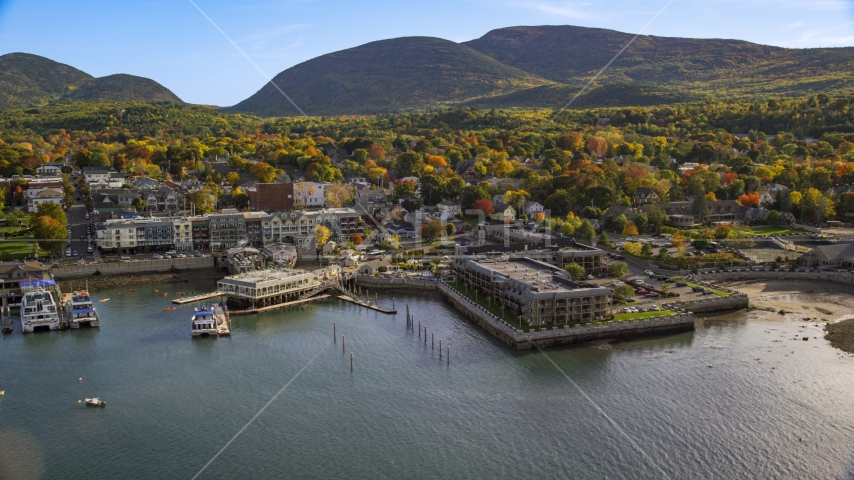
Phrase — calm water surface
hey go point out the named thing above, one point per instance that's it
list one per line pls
(739, 398)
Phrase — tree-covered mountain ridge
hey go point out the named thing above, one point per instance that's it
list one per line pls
(28, 80)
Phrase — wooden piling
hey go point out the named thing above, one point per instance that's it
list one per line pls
(392, 303)
(419, 328)
(432, 340)
(425, 334)
(351, 361)
(440, 348)
(343, 343)
(449, 355)
(334, 332)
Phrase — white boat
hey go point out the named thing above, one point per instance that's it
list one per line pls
(80, 311)
(95, 402)
(38, 309)
(204, 322)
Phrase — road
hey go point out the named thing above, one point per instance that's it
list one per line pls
(79, 228)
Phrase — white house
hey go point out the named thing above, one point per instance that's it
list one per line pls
(533, 208)
(44, 196)
(503, 213)
(448, 207)
(98, 175)
(49, 170)
(310, 194)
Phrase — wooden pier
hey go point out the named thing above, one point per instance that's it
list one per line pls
(278, 306)
(223, 325)
(196, 298)
(372, 306)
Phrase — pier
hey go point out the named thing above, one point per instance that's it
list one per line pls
(369, 305)
(196, 298)
(277, 306)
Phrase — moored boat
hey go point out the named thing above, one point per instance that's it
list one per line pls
(38, 310)
(95, 402)
(80, 311)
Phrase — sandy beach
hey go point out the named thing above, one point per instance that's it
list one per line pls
(827, 302)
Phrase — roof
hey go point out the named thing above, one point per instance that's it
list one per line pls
(840, 251)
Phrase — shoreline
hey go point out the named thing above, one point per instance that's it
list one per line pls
(106, 282)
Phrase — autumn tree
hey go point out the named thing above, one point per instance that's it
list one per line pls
(322, 235)
(264, 172)
(357, 239)
(233, 178)
(597, 146)
(630, 228)
(239, 197)
(339, 194)
(49, 233)
(485, 206)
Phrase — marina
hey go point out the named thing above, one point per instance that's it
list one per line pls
(267, 288)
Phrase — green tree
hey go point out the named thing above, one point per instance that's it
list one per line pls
(585, 231)
(233, 178)
(642, 222)
(431, 230)
(618, 269)
(576, 271)
(409, 164)
(624, 291)
(604, 239)
(139, 204)
(700, 207)
(450, 229)
(646, 250)
(240, 198)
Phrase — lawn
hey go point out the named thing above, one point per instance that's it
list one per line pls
(12, 250)
(769, 231)
(628, 316)
(495, 310)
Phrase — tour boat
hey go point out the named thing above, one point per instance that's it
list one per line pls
(104, 300)
(95, 402)
(79, 310)
(204, 322)
(38, 310)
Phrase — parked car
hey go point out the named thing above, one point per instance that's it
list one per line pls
(642, 292)
(157, 257)
(181, 255)
(697, 289)
(125, 257)
(654, 308)
(640, 282)
(652, 295)
(648, 273)
(641, 309)
(681, 284)
(626, 310)
(197, 254)
(589, 277)
(171, 252)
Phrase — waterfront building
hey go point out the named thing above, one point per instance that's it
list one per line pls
(183, 233)
(537, 292)
(201, 232)
(228, 229)
(243, 259)
(263, 288)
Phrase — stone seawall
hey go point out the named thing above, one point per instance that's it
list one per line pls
(132, 267)
(837, 277)
(545, 337)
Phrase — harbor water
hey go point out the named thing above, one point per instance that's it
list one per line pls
(742, 397)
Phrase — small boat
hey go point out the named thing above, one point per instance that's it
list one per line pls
(104, 300)
(131, 289)
(95, 402)
(2, 393)
(157, 291)
(166, 294)
(168, 309)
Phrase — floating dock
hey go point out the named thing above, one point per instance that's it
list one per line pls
(370, 305)
(196, 298)
(277, 306)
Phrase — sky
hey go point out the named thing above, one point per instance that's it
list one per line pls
(220, 52)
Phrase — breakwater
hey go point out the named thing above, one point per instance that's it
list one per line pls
(554, 335)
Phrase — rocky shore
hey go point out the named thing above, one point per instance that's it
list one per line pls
(103, 282)
(841, 335)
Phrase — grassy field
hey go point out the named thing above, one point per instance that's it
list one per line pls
(769, 231)
(628, 316)
(19, 248)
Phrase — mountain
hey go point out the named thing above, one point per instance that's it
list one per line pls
(121, 88)
(573, 55)
(28, 80)
(388, 75)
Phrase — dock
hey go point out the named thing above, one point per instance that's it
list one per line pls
(6, 322)
(369, 305)
(196, 298)
(223, 325)
(278, 306)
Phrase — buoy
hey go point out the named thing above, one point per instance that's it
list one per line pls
(2, 393)
(80, 379)
(79, 401)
